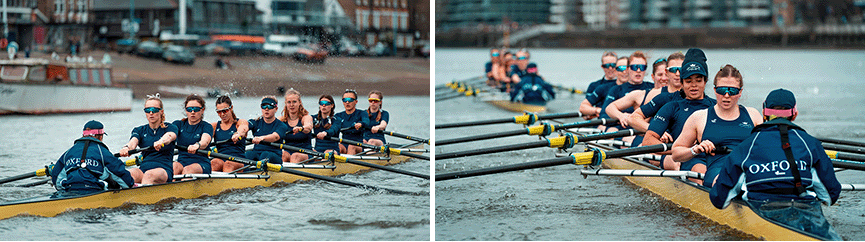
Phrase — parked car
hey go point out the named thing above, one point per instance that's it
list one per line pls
(149, 49)
(216, 49)
(311, 53)
(178, 54)
(284, 45)
(126, 45)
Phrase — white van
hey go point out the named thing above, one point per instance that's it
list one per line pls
(285, 45)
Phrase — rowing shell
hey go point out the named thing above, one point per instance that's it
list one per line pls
(47, 207)
(694, 197)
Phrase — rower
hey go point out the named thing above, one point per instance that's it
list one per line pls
(299, 124)
(229, 127)
(758, 169)
(608, 65)
(503, 74)
(636, 72)
(636, 98)
(667, 124)
(532, 89)
(88, 166)
(266, 128)
(488, 68)
(639, 119)
(725, 124)
(195, 134)
(374, 120)
(323, 124)
(349, 122)
(591, 106)
(518, 70)
(156, 165)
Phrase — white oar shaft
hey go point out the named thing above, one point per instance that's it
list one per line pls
(221, 176)
(852, 187)
(611, 142)
(414, 150)
(366, 157)
(651, 173)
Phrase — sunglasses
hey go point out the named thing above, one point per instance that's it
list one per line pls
(494, 54)
(727, 90)
(193, 109)
(324, 102)
(660, 60)
(348, 99)
(374, 100)
(674, 69)
(641, 67)
(268, 106)
(621, 68)
(522, 58)
(152, 110)
(608, 65)
(224, 110)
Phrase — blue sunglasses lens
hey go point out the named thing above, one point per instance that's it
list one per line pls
(152, 110)
(521, 58)
(494, 54)
(638, 67)
(193, 109)
(727, 90)
(267, 106)
(324, 103)
(621, 68)
(608, 65)
(348, 99)
(674, 69)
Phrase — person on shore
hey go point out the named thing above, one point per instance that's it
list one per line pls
(634, 99)
(323, 124)
(489, 67)
(374, 120)
(228, 132)
(195, 134)
(88, 167)
(299, 126)
(521, 63)
(266, 128)
(636, 72)
(350, 123)
(725, 124)
(157, 164)
(591, 106)
(759, 170)
(533, 89)
(640, 118)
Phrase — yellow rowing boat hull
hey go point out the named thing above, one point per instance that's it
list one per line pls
(738, 215)
(517, 107)
(177, 190)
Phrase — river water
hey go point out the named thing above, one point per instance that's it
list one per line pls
(556, 203)
(312, 210)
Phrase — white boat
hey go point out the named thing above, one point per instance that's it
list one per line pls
(40, 86)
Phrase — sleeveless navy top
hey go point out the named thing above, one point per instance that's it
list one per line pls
(237, 148)
(300, 139)
(726, 133)
(318, 126)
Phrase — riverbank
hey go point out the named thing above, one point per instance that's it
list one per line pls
(263, 75)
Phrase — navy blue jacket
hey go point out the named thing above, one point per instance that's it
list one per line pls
(532, 89)
(99, 160)
(759, 164)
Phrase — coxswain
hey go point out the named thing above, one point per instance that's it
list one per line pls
(88, 167)
(591, 106)
(532, 89)
(374, 120)
(760, 172)
(157, 164)
(231, 129)
(299, 124)
(195, 134)
(667, 124)
(350, 123)
(266, 128)
(725, 124)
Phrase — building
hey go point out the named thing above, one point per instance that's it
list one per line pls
(473, 13)
(320, 18)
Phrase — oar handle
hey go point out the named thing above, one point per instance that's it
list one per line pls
(135, 151)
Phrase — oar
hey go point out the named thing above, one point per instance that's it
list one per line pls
(382, 149)
(840, 141)
(338, 158)
(569, 89)
(845, 156)
(543, 130)
(650, 173)
(594, 157)
(37, 183)
(448, 85)
(527, 119)
(44, 171)
(858, 150)
(274, 167)
(855, 165)
(403, 136)
(566, 141)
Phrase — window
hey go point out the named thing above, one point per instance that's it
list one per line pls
(37, 73)
(106, 76)
(376, 19)
(403, 22)
(13, 73)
